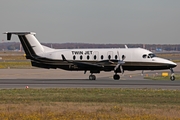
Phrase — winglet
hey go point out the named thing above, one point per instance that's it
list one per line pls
(9, 36)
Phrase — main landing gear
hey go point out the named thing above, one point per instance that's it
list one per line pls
(172, 77)
(92, 77)
(116, 76)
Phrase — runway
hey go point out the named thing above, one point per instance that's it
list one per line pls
(44, 78)
(85, 83)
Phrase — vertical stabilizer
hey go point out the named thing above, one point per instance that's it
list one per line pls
(36, 46)
(30, 44)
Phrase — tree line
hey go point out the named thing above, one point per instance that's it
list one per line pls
(152, 47)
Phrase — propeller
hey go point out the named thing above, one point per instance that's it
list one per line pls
(120, 63)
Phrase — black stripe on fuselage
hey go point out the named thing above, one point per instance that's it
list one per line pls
(27, 47)
(127, 66)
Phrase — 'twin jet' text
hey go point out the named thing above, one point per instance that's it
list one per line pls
(81, 52)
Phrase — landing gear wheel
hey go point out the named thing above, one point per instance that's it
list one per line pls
(116, 77)
(172, 78)
(92, 77)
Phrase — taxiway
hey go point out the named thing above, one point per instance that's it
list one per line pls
(50, 78)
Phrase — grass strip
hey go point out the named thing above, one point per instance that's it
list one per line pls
(106, 95)
(160, 77)
(89, 103)
(4, 65)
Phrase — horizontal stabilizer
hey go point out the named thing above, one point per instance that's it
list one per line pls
(31, 45)
(9, 34)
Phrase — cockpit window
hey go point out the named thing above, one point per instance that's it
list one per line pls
(152, 55)
(144, 56)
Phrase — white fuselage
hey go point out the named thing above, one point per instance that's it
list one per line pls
(93, 60)
(131, 55)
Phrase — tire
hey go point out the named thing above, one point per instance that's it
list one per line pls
(92, 77)
(172, 78)
(116, 77)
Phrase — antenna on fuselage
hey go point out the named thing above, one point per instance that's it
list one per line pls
(126, 46)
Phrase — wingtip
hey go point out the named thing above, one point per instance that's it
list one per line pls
(20, 33)
(5, 33)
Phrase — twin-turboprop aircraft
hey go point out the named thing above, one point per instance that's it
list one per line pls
(93, 60)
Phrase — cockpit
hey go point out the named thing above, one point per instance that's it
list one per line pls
(150, 55)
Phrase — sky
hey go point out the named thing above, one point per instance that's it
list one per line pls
(93, 21)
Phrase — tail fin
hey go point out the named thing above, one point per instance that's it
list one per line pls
(31, 45)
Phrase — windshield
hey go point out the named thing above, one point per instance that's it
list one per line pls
(152, 55)
(144, 56)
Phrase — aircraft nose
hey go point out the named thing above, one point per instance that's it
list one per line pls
(172, 65)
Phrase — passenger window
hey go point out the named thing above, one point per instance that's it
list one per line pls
(88, 57)
(81, 57)
(102, 57)
(109, 57)
(123, 57)
(116, 57)
(74, 57)
(95, 57)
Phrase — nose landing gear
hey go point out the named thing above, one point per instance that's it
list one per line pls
(172, 77)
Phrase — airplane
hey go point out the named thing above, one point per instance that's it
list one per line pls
(93, 60)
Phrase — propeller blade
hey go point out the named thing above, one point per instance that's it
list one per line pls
(118, 55)
(120, 63)
(122, 71)
(116, 67)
